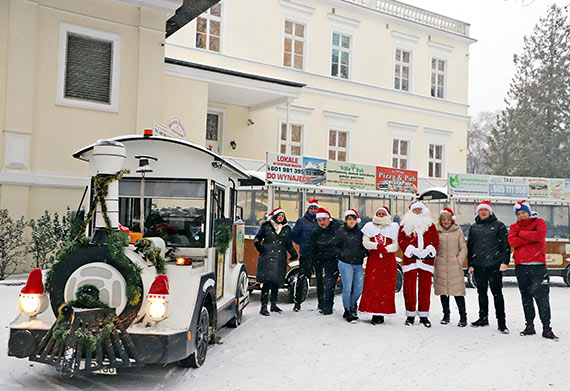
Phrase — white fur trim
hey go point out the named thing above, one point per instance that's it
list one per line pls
(410, 267)
(350, 212)
(432, 252)
(411, 313)
(423, 314)
(410, 250)
(313, 204)
(483, 206)
(417, 204)
(377, 313)
(384, 209)
(277, 211)
(392, 248)
(323, 215)
(446, 211)
(424, 266)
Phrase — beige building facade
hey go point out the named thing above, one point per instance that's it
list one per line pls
(373, 82)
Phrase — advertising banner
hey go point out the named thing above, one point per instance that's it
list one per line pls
(537, 187)
(501, 186)
(567, 189)
(556, 189)
(392, 179)
(315, 169)
(286, 168)
(468, 184)
(356, 176)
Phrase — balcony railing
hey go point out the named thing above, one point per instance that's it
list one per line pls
(415, 14)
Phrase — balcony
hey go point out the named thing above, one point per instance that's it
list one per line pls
(415, 14)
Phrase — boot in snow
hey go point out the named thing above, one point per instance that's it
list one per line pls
(462, 320)
(503, 326)
(480, 322)
(425, 321)
(410, 320)
(547, 333)
(346, 314)
(263, 311)
(354, 312)
(529, 330)
(327, 311)
(445, 319)
(274, 308)
(377, 319)
(297, 307)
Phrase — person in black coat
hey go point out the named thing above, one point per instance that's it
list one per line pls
(488, 255)
(322, 253)
(273, 241)
(350, 254)
(300, 235)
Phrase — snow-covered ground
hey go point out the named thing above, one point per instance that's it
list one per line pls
(308, 351)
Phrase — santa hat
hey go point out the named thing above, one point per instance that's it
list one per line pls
(417, 205)
(122, 228)
(276, 211)
(34, 285)
(352, 212)
(448, 210)
(523, 205)
(322, 213)
(313, 202)
(159, 287)
(384, 208)
(484, 205)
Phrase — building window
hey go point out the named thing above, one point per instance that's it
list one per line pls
(435, 161)
(88, 68)
(294, 45)
(340, 55)
(402, 70)
(209, 29)
(291, 141)
(438, 69)
(400, 154)
(338, 145)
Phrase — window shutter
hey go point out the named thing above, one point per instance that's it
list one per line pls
(88, 68)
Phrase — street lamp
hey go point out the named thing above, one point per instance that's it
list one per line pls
(144, 168)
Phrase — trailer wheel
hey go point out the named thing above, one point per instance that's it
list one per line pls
(202, 337)
(471, 281)
(242, 291)
(399, 279)
(566, 275)
(294, 283)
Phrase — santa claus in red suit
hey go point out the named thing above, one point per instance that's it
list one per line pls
(419, 240)
(380, 238)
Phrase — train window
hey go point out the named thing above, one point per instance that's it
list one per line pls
(174, 209)
(254, 206)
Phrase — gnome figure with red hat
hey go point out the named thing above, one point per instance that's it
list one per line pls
(419, 240)
(380, 238)
(273, 241)
(488, 255)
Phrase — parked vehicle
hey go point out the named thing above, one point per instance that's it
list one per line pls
(189, 208)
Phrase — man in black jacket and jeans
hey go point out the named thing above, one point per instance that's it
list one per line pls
(488, 255)
(322, 252)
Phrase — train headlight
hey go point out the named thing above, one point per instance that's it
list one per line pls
(32, 300)
(157, 308)
(157, 299)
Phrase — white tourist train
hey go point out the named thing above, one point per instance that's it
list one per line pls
(161, 313)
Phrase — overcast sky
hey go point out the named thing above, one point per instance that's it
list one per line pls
(499, 27)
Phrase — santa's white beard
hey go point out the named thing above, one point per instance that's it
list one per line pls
(382, 221)
(416, 223)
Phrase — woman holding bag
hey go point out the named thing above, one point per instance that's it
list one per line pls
(448, 276)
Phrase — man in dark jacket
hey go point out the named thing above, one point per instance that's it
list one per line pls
(488, 255)
(300, 235)
(322, 254)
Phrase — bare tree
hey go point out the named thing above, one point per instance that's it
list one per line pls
(478, 132)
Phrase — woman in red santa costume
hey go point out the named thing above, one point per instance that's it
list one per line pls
(419, 240)
(380, 238)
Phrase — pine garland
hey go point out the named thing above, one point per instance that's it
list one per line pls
(222, 236)
(151, 254)
(116, 243)
(87, 297)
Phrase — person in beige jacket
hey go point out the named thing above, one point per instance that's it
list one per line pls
(448, 276)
